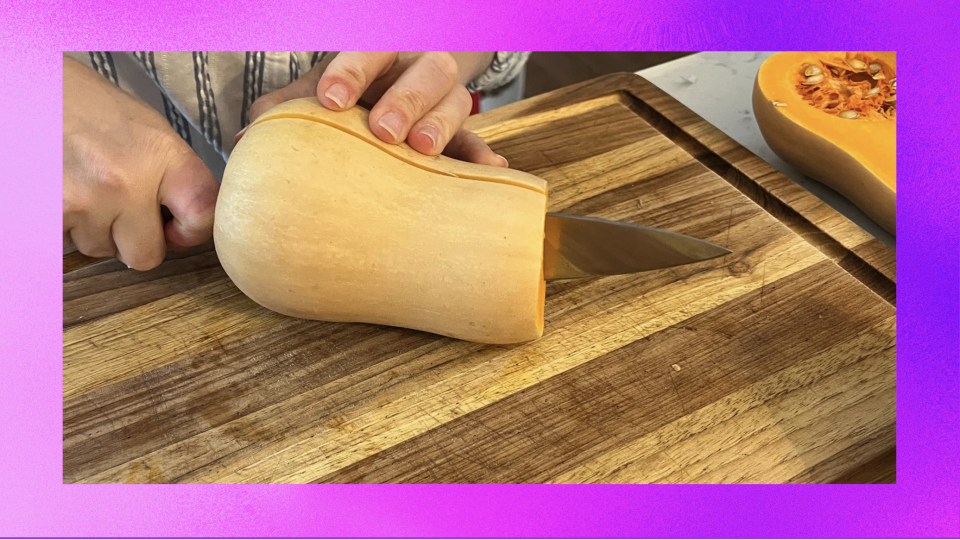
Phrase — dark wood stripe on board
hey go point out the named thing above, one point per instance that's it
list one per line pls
(546, 429)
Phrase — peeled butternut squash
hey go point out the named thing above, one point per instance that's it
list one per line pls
(833, 116)
(318, 219)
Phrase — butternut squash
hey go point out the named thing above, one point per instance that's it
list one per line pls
(832, 115)
(319, 219)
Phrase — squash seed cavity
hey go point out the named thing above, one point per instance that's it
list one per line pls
(851, 87)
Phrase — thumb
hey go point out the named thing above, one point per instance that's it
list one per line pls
(189, 191)
(305, 86)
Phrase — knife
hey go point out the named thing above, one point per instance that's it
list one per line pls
(576, 247)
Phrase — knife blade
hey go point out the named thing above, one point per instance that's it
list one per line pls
(576, 247)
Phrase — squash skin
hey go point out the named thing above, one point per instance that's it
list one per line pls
(318, 219)
(856, 158)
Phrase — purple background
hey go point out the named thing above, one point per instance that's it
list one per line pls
(33, 500)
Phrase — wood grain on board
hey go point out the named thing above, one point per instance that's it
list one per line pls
(776, 363)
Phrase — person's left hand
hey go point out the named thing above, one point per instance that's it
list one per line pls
(419, 98)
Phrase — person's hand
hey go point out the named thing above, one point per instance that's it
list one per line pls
(121, 162)
(419, 98)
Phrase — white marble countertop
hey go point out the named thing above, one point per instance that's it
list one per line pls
(718, 86)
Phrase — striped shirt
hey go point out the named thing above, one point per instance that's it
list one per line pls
(206, 96)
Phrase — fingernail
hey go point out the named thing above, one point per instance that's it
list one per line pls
(392, 123)
(338, 94)
(503, 160)
(432, 133)
(239, 134)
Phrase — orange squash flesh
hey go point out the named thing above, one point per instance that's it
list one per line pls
(319, 219)
(835, 128)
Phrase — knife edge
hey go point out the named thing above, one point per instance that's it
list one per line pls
(579, 246)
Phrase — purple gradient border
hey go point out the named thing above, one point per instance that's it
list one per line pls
(33, 500)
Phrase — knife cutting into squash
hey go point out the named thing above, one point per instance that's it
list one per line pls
(317, 218)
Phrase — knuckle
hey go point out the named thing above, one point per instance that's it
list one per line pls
(196, 220)
(113, 182)
(462, 99)
(197, 216)
(446, 64)
(352, 73)
(199, 203)
(410, 101)
(103, 176)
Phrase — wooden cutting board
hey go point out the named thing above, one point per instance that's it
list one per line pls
(776, 363)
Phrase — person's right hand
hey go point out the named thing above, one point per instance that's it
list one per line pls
(121, 162)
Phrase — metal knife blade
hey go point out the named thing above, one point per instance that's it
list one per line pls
(575, 247)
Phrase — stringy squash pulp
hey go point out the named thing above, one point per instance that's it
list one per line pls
(832, 115)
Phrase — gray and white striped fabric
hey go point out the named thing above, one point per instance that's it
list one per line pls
(206, 96)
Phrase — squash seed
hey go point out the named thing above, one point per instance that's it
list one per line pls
(834, 93)
(857, 65)
(778, 103)
(891, 99)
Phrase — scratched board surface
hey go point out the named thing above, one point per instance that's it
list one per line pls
(775, 363)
